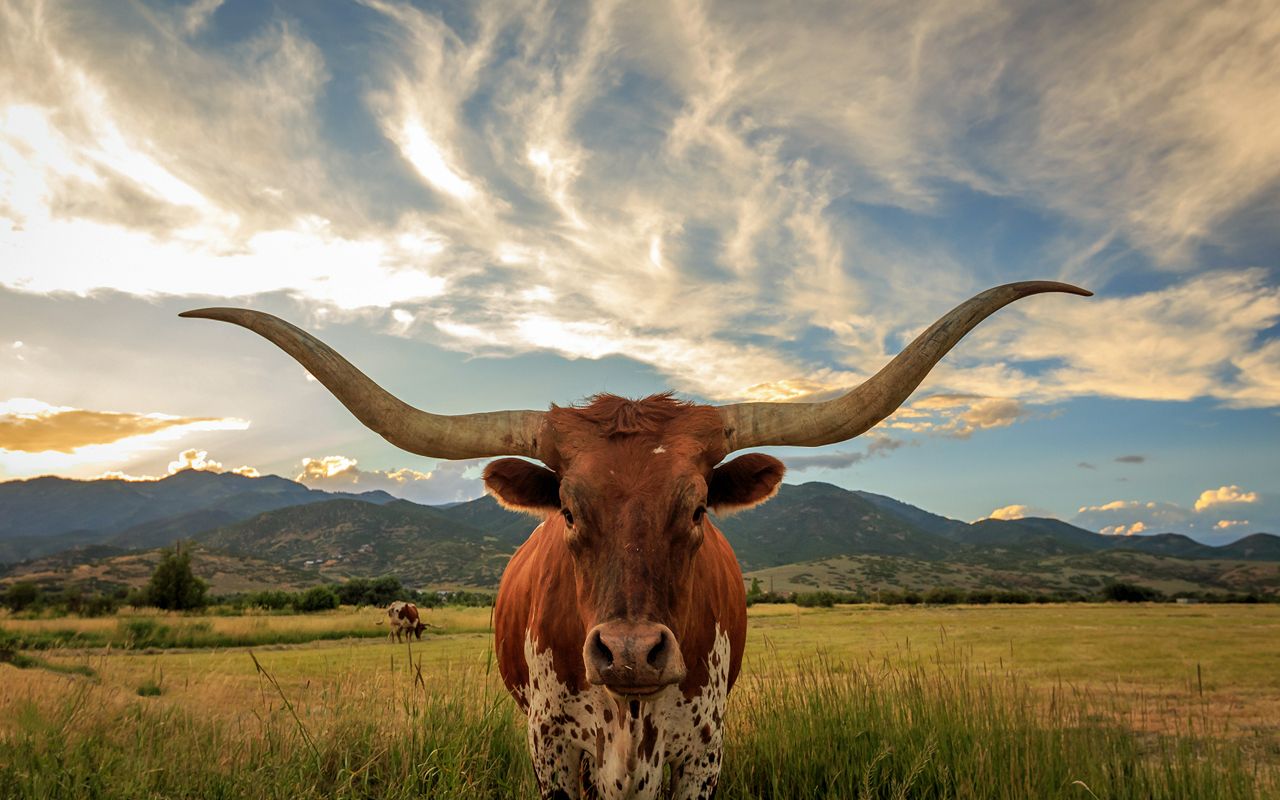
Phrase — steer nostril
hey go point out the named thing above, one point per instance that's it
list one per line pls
(658, 653)
(602, 653)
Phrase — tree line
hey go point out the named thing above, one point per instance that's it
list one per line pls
(1116, 592)
(174, 586)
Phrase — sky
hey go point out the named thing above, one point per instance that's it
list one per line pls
(492, 205)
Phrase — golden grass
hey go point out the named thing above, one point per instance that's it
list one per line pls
(1158, 665)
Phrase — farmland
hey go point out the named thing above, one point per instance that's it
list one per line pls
(995, 701)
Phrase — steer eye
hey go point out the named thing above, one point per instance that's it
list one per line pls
(698, 514)
(568, 516)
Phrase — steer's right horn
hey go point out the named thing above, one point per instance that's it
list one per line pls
(494, 433)
(851, 414)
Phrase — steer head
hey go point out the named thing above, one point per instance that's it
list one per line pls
(627, 484)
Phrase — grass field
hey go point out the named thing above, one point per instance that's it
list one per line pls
(1027, 701)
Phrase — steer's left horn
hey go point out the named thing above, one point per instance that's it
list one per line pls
(495, 433)
(814, 424)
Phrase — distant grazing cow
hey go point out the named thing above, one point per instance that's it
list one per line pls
(405, 620)
(620, 623)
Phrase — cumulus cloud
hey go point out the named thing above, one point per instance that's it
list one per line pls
(447, 482)
(1224, 495)
(1203, 519)
(191, 459)
(1124, 530)
(1015, 511)
(199, 460)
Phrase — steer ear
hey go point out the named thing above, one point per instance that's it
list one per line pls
(521, 486)
(744, 482)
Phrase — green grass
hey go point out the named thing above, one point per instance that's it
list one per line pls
(1029, 702)
(172, 630)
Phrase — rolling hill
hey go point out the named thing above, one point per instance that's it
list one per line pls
(45, 515)
(814, 535)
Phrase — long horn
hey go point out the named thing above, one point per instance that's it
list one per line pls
(840, 419)
(495, 433)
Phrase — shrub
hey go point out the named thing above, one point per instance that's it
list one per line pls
(317, 598)
(1121, 592)
(944, 597)
(173, 585)
(21, 596)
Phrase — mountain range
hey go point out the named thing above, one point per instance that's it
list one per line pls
(813, 535)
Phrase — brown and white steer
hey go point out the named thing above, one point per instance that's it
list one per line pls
(620, 623)
(404, 619)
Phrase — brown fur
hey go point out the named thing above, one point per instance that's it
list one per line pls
(626, 499)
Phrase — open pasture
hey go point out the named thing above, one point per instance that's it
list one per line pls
(150, 628)
(1027, 701)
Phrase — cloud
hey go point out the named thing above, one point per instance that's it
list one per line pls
(1224, 495)
(447, 482)
(31, 426)
(1201, 520)
(191, 459)
(1012, 512)
(1124, 530)
(199, 460)
(1086, 465)
(879, 445)
(1198, 337)
(1130, 459)
(957, 415)
(677, 188)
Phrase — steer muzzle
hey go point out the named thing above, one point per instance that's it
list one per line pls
(634, 659)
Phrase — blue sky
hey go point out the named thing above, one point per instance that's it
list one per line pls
(490, 205)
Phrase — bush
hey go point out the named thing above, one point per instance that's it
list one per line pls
(173, 585)
(1121, 592)
(944, 597)
(365, 592)
(21, 596)
(272, 600)
(317, 598)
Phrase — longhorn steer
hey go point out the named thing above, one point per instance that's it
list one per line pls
(403, 618)
(620, 623)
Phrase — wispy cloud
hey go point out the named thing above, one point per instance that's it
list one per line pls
(879, 445)
(31, 426)
(703, 190)
(1132, 459)
(37, 438)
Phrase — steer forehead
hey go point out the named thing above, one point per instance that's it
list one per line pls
(647, 439)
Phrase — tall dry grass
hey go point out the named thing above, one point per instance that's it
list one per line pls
(817, 729)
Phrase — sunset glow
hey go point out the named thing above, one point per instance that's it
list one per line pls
(509, 205)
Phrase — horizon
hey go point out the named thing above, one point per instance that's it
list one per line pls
(492, 207)
(357, 491)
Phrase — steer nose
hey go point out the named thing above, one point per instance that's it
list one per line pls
(635, 658)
